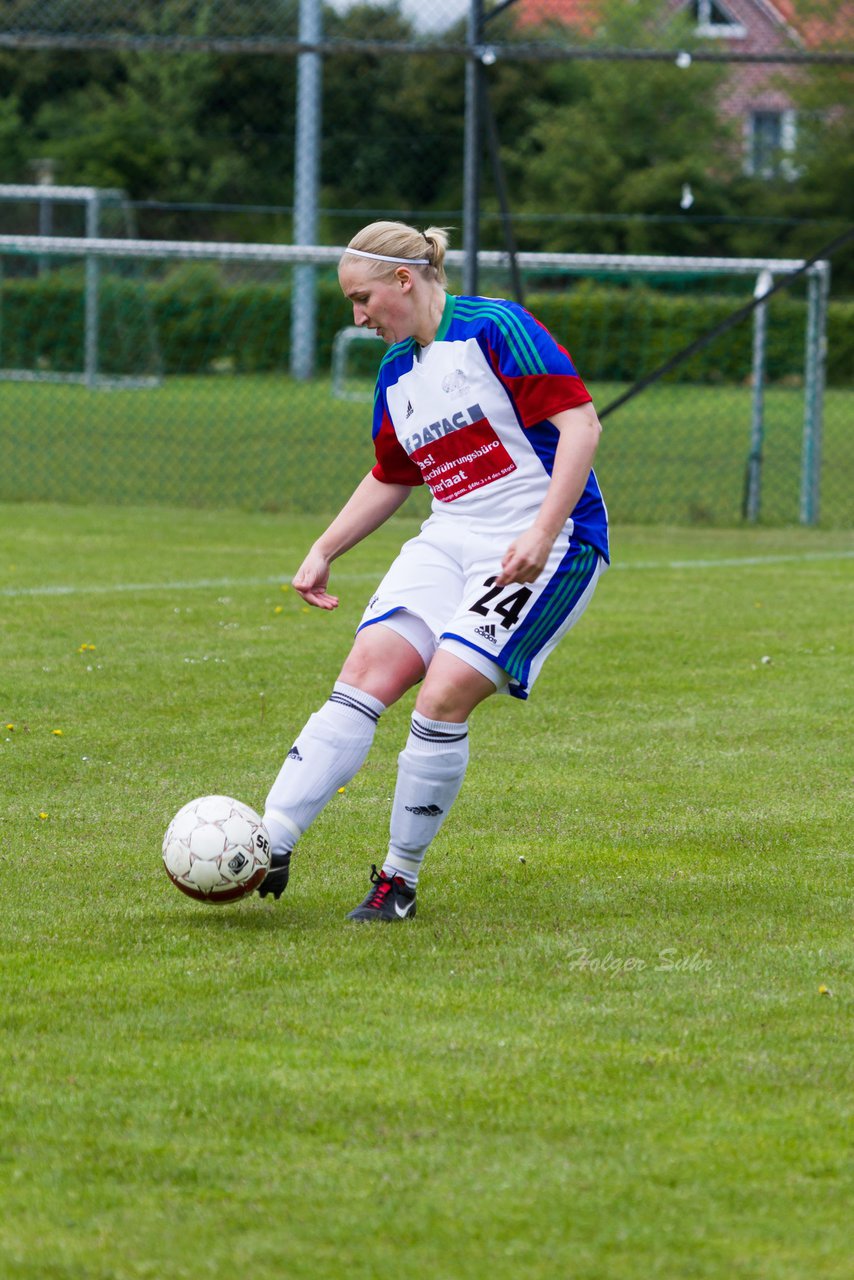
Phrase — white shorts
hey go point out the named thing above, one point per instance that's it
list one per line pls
(440, 591)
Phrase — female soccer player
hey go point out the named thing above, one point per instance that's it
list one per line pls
(477, 400)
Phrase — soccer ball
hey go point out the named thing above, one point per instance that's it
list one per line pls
(216, 849)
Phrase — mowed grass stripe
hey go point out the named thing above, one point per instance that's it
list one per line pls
(203, 584)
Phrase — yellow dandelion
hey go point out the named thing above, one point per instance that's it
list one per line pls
(57, 733)
(43, 815)
(284, 587)
(11, 728)
(278, 609)
(824, 991)
(341, 790)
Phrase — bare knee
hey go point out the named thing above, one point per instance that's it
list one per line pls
(382, 664)
(451, 690)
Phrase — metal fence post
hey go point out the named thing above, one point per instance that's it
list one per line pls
(93, 280)
(764, 281)
(814, 377)
(306, 176)
(45, 170)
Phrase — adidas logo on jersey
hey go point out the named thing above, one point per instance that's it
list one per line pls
(424, 810)
(409, 409)
(294, 754)
(488, 632)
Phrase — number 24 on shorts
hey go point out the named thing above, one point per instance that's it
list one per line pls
(509, 608)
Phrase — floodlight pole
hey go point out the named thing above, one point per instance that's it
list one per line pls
(471, 149)
(306, 183)
(478, 110)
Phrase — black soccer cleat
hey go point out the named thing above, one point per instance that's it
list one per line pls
(276, 879)
(390, 899)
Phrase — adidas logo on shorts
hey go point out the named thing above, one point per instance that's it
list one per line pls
(488, 632)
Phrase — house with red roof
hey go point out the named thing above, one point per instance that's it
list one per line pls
(757, 95)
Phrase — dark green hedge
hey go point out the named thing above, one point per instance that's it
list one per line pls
(195, 321)
(622, 334)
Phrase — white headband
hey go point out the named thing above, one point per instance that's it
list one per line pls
(382, 257)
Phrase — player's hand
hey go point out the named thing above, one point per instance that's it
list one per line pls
(525, 558)
(311, 580)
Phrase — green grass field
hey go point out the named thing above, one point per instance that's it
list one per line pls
(676, 454)
(626, 1057)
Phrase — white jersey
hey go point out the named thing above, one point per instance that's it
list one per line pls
(469, 415)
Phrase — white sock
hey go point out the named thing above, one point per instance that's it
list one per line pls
(430, 772)
(329, 751)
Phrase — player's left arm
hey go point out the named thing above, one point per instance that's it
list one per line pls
(579, 430)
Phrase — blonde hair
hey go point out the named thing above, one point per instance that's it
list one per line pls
(397, 240)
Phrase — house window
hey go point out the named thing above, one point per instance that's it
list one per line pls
(714, 20)
(770, 143)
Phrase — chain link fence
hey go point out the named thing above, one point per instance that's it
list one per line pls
(559, 127)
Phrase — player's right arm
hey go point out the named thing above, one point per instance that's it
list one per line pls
(369, 507)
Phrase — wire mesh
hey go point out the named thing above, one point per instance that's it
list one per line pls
(674, 127)
(580, 22)
(230, 426)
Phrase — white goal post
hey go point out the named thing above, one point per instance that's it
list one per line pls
(762, 270)
(94, 203)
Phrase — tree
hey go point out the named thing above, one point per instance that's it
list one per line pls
(390, 123)
(163, 125)
(12, 158)
(622, 138)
